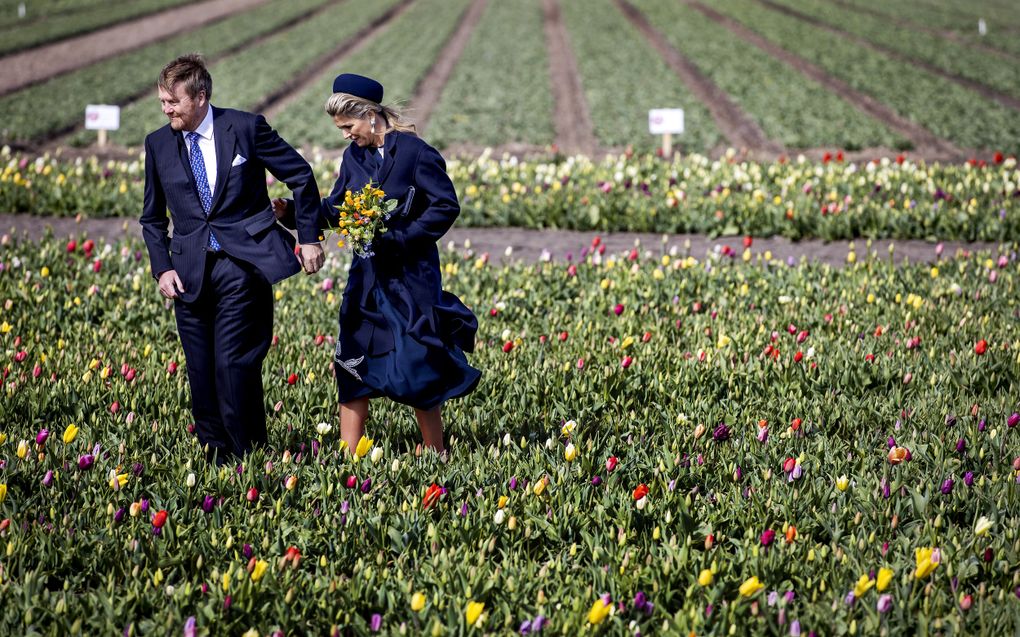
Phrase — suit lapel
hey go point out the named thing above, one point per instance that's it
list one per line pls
(182, 150)
(225, 139)
(390, 146)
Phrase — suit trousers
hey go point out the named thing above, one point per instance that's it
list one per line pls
(226, 334)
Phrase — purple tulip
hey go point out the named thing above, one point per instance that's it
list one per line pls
(596, 481)
(48, 478)
(86, 461)
(538, 623)
(886, 491)
(145, 505)
(950, 420)
(947, 486)
(366, 485)
(227, 601)
(525, 628)
(961, 445)
(118, 517)
(376, 622)
(768, 537)
(208, 504)
(247, 551)
(721, 433)
(789, 596)
(513, 483)
(795, 628)
(884, 603)
(968, 478)
(850, 599)
(982, 425)
(190, 629)
(344, 507)
(1013, 420)
(463, 510)
(40, 438)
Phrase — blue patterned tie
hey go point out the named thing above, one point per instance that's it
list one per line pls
(202, 181)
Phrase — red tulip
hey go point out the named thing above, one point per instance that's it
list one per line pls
(748, 240)
(798, 357)
(72, 245)
(115, 407)
(641, 491)
(292, 379)
(625, 363)
(253, 495)
(789, 465)
(88, 246)
(981, 347)
(97, 265)
(795, 424)
(159, 519)
(998, 158)
(431, 495)
(647, 336)
(611, 463)
(563, 336)
(493, 312)
(509, 345)
(352, 481)
(171, 368)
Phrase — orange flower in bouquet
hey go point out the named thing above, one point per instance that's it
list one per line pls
(362, 217)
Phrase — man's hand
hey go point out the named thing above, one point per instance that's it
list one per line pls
(170, 285)
(312, 257)
(280, 208)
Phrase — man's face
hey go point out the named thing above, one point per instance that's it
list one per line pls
(184, 112)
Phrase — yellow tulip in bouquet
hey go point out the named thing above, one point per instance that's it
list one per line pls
(362, 217)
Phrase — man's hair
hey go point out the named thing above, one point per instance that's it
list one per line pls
(190, 71)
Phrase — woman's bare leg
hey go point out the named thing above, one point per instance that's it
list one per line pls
(431, 424)
(352, 422)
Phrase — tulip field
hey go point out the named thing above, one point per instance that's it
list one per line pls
(662, 443)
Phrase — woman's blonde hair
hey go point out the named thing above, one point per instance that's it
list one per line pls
(347, 105)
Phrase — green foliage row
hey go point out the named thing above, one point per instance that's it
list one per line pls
(790, 108)
(624, 77)
(32, 114)
(958, 59)
(17, 36)
(387, 58)
(500, 90)
(945, 108)
(600, 377)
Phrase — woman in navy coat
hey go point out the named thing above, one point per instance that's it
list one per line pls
(401, 336)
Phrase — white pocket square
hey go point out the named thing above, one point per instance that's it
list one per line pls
(238, 160)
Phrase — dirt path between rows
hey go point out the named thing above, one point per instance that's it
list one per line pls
(575, 132)
(557, 245)
(906, 23)
(276, 101)
(736, 126)
(426, 96)
(61, 139)
(926, 143)
(35, 65)
(966, 82)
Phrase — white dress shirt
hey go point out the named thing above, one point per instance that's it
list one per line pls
(207, 144)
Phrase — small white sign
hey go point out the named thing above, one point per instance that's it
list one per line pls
(665, 120)
(102, 117)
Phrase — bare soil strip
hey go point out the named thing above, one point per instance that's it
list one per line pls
(939, 33)
(738, 129)
(984, 90)
(61, 138)
(575, 132)
(923, 140)
(528, 245)
(35, 65)
(273, 103)
(426, 96)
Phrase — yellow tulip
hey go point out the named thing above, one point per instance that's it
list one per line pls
(117, 480)
(3, 492)
(540, 485)
(364, 446)
(570, 452)
(3, 438)
(751, 586)
(502, 501)
(842, 483)
(863, 585)
(599, 611)
(885, 576)
(706, 577)
(259, 570)
(473, 612)
(928, 559)
(70, 434)
(23, 449)
(417, 602)
(251, 632)
(983, 526)
(225, 582)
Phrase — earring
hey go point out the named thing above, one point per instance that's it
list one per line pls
(372, 122)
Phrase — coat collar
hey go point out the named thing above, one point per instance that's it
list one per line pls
(225, 139)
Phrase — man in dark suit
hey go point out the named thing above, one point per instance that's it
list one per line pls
(207, 165)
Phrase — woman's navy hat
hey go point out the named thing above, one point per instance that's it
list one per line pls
(358, 86)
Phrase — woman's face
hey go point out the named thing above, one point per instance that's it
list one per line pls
(357, 130)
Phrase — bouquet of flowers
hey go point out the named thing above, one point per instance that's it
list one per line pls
(361, 219)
